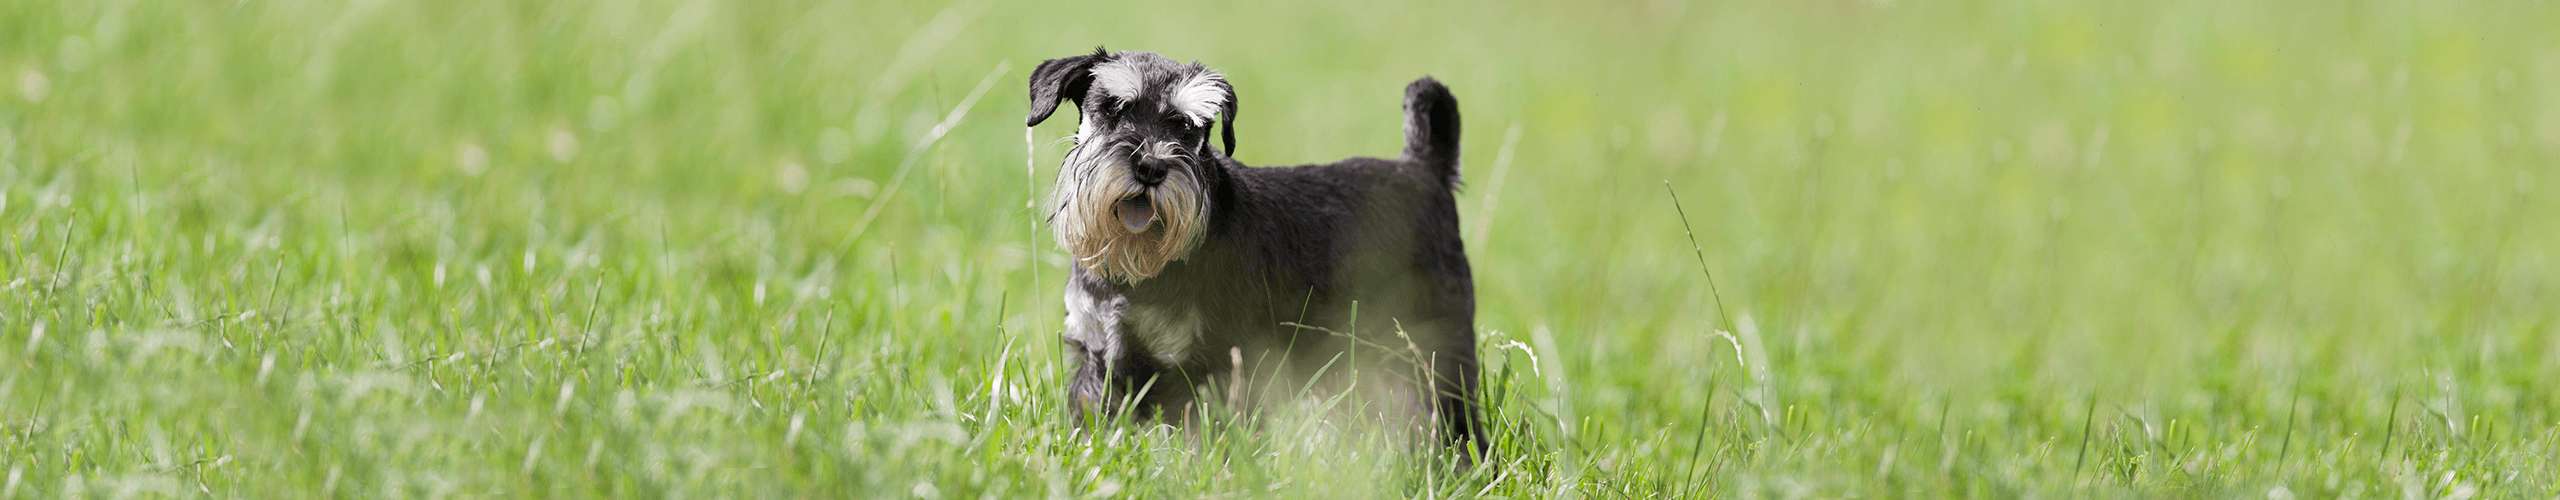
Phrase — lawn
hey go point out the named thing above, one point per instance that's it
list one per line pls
(289, 248)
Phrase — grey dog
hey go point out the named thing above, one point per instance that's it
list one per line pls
(1192, 271)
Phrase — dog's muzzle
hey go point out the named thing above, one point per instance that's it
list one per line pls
(1126, 218)
(1136, 213)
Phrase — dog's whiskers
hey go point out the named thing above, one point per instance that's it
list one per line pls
(1167, 150)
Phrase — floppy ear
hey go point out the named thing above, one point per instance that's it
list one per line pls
(1227, 118)
(1065, 77)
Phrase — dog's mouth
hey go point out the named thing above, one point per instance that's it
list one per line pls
(1136, 213)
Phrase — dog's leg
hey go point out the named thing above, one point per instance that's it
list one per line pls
(1093, 339)
(1109, 379)
(1087, 389)
(1449, 360)
(1456, 402)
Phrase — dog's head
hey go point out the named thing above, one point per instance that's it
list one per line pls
(1133, 194)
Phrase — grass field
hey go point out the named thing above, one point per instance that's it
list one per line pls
(643, 248)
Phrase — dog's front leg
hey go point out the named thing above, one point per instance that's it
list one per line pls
(1088, 389)
(1095, 339)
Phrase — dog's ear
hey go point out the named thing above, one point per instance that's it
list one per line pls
(1065, 77)
(1227, 117)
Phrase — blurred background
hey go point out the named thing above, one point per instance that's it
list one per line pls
(375, 248)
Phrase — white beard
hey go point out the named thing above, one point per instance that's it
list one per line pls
(1084, 213)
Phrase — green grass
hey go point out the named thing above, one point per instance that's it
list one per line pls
(2188, 248)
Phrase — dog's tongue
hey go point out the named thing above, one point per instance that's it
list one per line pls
(1136, 214)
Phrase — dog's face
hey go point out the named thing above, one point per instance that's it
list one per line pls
(1133, 194)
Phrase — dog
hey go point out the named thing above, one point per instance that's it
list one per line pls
(1191, 269)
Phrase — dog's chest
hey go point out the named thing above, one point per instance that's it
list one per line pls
(1167, 333)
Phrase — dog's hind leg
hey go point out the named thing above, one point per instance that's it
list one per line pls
(1456, 403)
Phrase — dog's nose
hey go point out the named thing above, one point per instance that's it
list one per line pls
(1149, 172)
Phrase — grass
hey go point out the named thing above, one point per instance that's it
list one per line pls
(374, 249)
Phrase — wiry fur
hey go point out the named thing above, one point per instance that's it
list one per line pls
(1200, 96)
(1090, 187)
(1431, 127)
(1254, 272)
(1119, 78)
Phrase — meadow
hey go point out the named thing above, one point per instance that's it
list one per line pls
(290, 248)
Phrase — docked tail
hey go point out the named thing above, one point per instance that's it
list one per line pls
(1431, 128)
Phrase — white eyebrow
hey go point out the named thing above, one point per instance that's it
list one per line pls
(1200, 96)
(1121, 79)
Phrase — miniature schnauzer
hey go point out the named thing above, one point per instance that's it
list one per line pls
(1190, 268)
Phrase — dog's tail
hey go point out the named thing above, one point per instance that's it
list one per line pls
(1431, 128)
